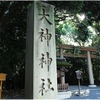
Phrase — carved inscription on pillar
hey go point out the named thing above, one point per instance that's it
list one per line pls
(41, 76)
(44, 16)
(46, 60)
(44, 53)
(47, 36)
(45, 87)
(49, 85)
(42, 88)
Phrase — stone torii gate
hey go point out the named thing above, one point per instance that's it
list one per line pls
(87, 55)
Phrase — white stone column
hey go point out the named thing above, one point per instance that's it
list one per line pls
(40, 69)
(90, 71)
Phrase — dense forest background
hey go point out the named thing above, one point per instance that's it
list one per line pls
(13, 23)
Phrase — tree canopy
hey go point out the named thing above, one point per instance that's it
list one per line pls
(67, 12)
(10, 10)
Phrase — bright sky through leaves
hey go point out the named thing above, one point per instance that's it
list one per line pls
(68, 38)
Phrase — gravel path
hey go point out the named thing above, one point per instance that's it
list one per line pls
(87, 93)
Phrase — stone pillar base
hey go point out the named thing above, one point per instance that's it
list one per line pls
(92, 86)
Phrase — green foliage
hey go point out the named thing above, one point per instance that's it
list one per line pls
(78, 30)
(69, 6)
(13, 42)
(9, 10)
(64, 63)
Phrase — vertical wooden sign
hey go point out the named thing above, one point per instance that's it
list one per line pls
(41, 72)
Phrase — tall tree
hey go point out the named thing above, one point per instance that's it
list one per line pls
(13, 18)
(9, 10)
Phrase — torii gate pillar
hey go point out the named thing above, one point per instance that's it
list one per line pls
(91, 78)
